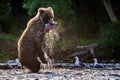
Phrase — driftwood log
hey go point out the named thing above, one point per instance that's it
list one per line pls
(88, 48)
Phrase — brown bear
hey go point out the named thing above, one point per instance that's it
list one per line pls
(31, 41)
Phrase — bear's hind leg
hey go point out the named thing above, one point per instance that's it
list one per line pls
(32, 64)
(35, 67)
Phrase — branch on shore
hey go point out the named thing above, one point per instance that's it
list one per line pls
(89, 48)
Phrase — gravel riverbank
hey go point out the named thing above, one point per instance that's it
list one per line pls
(64, 71)
(61, 74)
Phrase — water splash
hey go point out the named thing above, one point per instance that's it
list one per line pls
(50, 41)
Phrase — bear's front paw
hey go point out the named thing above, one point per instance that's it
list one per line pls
(44, 61)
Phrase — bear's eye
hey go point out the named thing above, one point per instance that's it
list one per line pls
(47, 16)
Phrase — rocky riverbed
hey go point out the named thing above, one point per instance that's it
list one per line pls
(110, 72)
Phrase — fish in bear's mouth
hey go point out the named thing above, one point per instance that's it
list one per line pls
(49, 26)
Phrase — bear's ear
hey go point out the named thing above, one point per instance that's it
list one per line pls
(50, 8)
(41, 11)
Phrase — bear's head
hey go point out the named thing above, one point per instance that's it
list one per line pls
(47, 15)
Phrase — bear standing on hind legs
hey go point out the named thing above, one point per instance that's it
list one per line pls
(30, 42)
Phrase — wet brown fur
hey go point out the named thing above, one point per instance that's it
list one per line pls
(30, 42)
